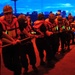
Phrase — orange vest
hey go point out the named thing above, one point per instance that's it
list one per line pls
(11, 29)
(49, 25)
(37, 24)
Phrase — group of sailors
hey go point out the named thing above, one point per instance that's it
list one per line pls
(49, 33)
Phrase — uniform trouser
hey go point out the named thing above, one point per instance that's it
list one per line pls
(43, 44)
(65, 39)
(27, 48)
(40, 43)
(72, 35)
(68, 38)
(11, 58)
(53, 42)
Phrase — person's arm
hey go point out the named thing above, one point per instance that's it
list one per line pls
(7, 36)
(0, 48)
(27, 34)
(1, 29)
(7, 41)
(40, 35)
(48, 33)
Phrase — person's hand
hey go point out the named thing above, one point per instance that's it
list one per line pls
(39, 36)
(31, 36)
(36, 36)
(14, 42)
(18, 41)
(48, 33)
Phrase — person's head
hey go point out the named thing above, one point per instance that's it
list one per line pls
(60, 20)
(40, 16)
(22, 20)
(28, 18)
(52, 17)
(64, 20)
(8, 13)
(58, 13)
(70, 18)
(22, 16)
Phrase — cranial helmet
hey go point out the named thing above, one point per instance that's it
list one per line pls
(7, 9)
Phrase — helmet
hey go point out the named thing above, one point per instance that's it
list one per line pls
(7, 9)
(22, 16)
(52, 16)
(40, 16)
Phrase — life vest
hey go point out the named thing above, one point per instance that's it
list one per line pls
(49, 25)
(37, 24)
(11, 29)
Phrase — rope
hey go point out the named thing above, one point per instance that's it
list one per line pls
(11, 44)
